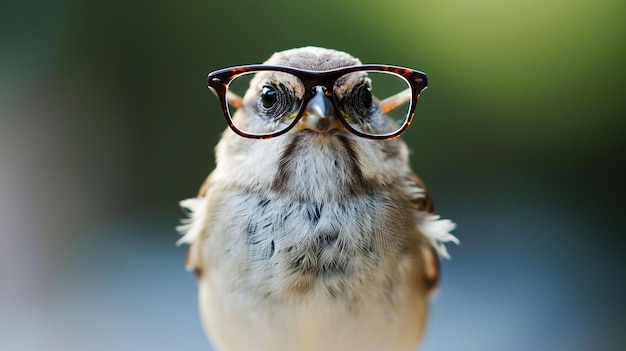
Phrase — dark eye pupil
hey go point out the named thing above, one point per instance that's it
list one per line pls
(268, 96)
(366, 97)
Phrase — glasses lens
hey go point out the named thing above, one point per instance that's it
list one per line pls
(264, 102)
(373, 102)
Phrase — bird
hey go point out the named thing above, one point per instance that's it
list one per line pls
(317, 238)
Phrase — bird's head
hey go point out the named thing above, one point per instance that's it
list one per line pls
(313, 120)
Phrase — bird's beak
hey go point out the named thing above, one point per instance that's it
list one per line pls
(320, 114)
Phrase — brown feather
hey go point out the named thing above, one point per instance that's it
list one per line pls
(424, 203)
(205, 186)
(193, 265)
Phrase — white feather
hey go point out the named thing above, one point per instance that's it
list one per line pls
(196, 211)
(438, 233)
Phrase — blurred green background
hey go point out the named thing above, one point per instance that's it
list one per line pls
(106, 123)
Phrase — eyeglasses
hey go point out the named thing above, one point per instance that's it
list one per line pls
(371, 101)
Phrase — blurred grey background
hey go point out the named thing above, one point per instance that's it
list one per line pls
(106, 123)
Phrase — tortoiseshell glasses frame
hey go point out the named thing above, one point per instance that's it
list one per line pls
(218, 82)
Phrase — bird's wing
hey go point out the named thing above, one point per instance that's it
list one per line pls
(435, 230)
(193, 226)
(420, 196)
(205, 186)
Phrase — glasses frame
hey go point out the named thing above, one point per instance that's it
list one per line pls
(219, 80)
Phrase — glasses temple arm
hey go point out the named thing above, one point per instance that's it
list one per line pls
(392, 102)
(233, 99)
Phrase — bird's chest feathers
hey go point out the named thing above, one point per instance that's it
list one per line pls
(278, 247)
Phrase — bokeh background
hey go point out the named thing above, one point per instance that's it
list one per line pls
(106, 123)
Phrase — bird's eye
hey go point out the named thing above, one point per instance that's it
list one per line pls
(359, 103)
(276, 101)
(365, 95)
(269, 96)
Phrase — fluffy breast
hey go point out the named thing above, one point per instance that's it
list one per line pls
(281, 249)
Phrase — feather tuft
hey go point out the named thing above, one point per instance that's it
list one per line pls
(438, 233)
(194, 209)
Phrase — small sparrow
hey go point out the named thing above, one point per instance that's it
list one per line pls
(312, 232)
